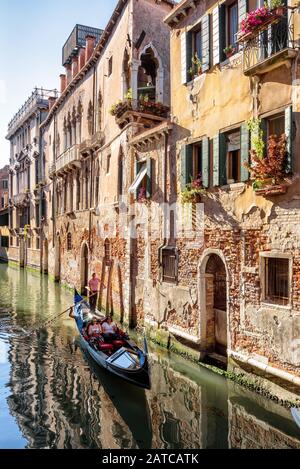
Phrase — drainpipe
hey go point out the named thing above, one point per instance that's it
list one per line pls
(165, 198)
(265, 368)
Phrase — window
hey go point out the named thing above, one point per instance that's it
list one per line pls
(5, 184)
(169, 265)
(197, 160)
(147, 74)
(197, 43)
(69, 242)
(276, 278)
(37, 243)
(78, 192)
(2, 202)
(142, 185)
(4, 241)
(233, 163)
(107, 252)
(232, 24)
(276, 125)
(110, 66)
(29, 243)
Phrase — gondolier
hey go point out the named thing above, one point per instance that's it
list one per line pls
(93, 291)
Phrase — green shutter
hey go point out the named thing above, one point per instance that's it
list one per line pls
(223, 159)
(186, 56)
(289, 137)
(264, 128)
(222, 32)
(205, 162)
(205, 33)
(216, 153)
(243, 9)
(245, 147)
(149, 178)
(186, 165)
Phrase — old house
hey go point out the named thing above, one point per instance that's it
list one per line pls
(27, 185)
(111, 91)
(235, 93)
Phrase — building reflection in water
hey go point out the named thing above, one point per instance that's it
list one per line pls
(61, 399)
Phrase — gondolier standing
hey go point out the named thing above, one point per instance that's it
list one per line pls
(93, 291)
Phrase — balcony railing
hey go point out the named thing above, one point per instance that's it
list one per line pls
(21, 200)
(272, 41)
(68, 158)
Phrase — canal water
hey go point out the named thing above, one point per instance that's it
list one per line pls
(53, 396)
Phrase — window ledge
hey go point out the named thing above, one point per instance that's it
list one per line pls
(274, 306)
(232, 59)
(234, 186)
(195, 80)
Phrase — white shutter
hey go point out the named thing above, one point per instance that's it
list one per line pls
(216, 36)
(183, 58)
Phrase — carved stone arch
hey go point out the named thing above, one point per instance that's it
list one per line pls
(90, 114)
(158, 73)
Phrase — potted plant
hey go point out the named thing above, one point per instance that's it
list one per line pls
(196, 67)
(193, 191)
(229, 50)
(142, 195)
(278, 7)
(269, 170)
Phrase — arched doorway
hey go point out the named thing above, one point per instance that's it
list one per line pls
(84, 268)
(214, 303)
(45, 257)
(57, 267)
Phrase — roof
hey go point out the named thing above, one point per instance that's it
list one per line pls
(96, 54)
(180, 11)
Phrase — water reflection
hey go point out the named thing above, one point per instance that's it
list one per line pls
(52, 395)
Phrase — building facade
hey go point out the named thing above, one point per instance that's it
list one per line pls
(27, 183)
(110, 92)
(4, 199)
(235, 114)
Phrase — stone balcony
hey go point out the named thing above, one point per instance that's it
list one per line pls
(145, 113)
(68, 160)
(21, 200)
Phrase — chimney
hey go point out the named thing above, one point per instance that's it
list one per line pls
(74, 66)
(81, 58)
(63, 82)
(90, 45)
(51, 101)
(68, 68)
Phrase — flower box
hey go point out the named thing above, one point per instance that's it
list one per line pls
(257, 21)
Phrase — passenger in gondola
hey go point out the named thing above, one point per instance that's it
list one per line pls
(109, 329)
(94, 333)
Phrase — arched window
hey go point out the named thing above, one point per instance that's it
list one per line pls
(147, 75)
(78, 191)
(69, 242)
(107, 252)
(97, 181)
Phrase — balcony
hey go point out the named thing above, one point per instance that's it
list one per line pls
(21, 200)
(269, 46)
(143, 112)
(69, 160)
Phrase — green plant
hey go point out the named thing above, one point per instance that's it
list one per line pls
(196, 67)
(229, 49)
(257, 136)
(274, 4)
(192, 191)
(129, 95)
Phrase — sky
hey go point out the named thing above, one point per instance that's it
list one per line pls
(32, 34)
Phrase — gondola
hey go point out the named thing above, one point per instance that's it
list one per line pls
(122, 358)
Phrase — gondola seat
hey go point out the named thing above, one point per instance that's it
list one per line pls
(106, 347)
(118, 343)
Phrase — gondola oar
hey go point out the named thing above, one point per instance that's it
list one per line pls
(47, 323)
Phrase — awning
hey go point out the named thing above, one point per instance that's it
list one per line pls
(140, 176)
(4, 231)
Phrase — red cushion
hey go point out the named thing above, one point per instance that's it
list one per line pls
(118, 343)
(106, 347)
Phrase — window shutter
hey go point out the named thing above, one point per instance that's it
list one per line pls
(215, 37)
(243, 9)
(149, 178)
(222, 32)
(186, 165)
(205, 162)
(264, 128)
(245, 148)
(186, 56)
(137, 169)
(216, 158)
(289, 137)
(223, 159)
(205, 32)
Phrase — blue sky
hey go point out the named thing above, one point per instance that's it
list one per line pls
(32, 33)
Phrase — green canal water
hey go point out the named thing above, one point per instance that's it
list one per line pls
(53, 396)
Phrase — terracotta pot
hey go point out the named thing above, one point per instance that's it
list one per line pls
(279, 11)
